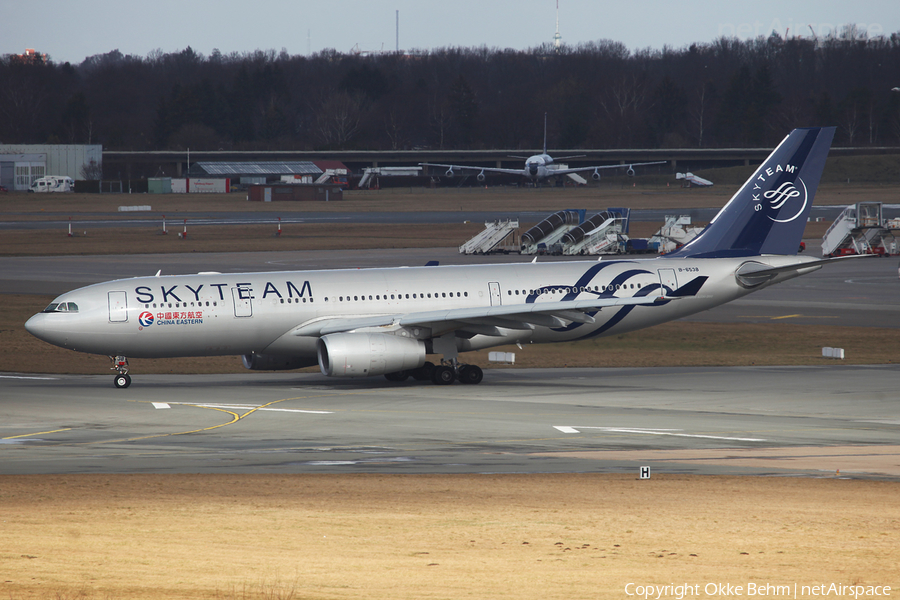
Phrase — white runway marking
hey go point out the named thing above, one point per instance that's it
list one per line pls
(255, 407)
(641, 431)
(160, 405)
(24, 377)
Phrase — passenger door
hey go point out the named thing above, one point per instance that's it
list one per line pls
(118, 307)
(667, 279)
(242, 306)
(494, 288)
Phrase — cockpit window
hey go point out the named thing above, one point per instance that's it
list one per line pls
(61, 307)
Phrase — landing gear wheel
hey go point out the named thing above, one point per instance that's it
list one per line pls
(122, 381)
(443, 375)
(471, 374)
(424, 372)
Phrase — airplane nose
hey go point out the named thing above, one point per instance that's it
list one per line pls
(34, 325)
(37, 326)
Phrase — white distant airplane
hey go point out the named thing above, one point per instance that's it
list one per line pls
(538, 167)
(364, 322)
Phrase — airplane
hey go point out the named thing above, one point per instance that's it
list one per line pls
(386, 321)
(538, 167)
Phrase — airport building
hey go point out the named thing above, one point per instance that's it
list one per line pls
(22, 164)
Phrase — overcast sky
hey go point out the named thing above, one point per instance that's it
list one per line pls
(71, 31)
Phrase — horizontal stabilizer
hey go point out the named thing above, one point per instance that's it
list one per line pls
(752, 274)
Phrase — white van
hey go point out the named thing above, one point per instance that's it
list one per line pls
(53, 183)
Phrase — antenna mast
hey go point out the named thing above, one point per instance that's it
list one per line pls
(557, 38)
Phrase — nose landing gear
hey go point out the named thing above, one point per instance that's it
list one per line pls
(120, 365)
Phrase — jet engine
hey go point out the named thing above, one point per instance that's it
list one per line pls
(275, 362)
(449, 172)
(480, 176)
(596, 175)
(630, 171)
(365, 354)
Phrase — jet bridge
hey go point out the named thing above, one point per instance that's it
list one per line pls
(545, 236)
(494, 233)
(861, 229)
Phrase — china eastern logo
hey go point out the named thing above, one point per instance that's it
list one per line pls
(146, 319)
(786, 196)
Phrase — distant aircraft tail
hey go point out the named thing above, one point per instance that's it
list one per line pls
(545, 133)
(768, 214)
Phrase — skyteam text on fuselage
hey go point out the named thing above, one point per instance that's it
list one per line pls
(366, 322)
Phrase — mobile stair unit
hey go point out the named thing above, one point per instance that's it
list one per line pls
(676, 232)
(494, 233)
(861, 229)
(604, 233)
(544, 238)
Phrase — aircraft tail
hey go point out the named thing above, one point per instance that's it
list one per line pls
(768, 214)
(545, 133)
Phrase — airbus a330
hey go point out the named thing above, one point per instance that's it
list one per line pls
(387, 321)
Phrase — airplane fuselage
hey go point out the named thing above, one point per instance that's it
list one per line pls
(267, 313)
(538, 166)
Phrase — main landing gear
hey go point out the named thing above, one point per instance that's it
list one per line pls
(120, 365)
(443, 374)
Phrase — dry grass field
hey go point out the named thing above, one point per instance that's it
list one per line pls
(376, 537)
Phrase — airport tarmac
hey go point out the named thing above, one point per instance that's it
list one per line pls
(812, 421)
(789, 421)
(27, 220)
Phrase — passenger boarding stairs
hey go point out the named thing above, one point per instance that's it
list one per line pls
(674, 233)
(860, 229)
(495, 232)
(544, 238)
(604, 233)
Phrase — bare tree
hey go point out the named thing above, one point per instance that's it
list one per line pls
(338, 117)
(92, 171)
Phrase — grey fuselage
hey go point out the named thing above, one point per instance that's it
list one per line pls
(239, 314)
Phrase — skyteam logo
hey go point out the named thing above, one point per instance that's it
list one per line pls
(787, 194)
(146, 319)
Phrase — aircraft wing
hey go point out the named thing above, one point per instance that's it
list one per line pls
(597, 168)
(469, 169)
(482, 319)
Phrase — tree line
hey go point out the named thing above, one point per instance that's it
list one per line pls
(727, 93)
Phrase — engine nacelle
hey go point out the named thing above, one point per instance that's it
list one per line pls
(596, 175)
(480, 176)
(275, 362)
(365, 354)
(630, 171)
(449, 173)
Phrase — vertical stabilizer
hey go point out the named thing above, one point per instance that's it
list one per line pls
(768, 214)
(545, 133)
